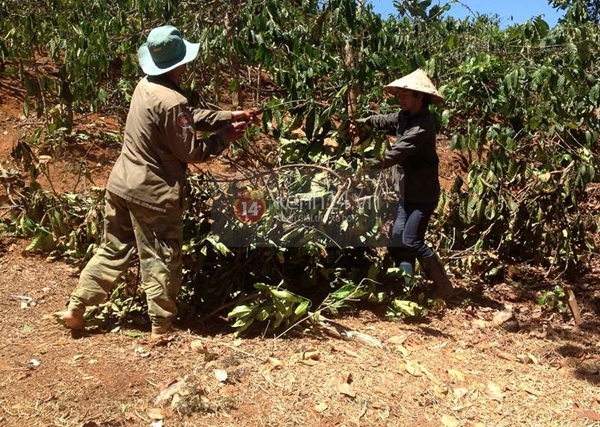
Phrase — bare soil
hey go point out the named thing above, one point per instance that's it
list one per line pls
(464, 367)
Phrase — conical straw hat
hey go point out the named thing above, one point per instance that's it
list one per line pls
(417, 80)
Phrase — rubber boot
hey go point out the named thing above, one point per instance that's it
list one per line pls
(435, 271)
(408, 270)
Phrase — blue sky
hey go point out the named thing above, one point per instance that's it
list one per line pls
(510, 11)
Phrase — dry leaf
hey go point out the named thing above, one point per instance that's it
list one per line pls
(398, 339)
(176, 401)
(530, 390)
(345, 378)
(402, 350)
(440, 345)
(274, 363)
(169, 391)
(304, 393)
(413, 369)
(502, 317)
(364, 338)
(440, 391)
(220, 374)
(351, 353)
(492, 391)
(156, 413)
(347, 389)
(457, 375)
(507, 356)
(311, 355)
(345, 350)
(429, 375)
(480, 324)
(590, 415)
(321, 407)
(197, 346)
(460, 392)
(450, 421)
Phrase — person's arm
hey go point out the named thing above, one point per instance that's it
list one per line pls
(212, 120)
(382, 122)
(180, 135)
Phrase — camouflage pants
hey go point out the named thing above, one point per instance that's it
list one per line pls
(156, 238)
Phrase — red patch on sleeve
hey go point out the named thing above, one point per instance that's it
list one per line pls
(184, 120)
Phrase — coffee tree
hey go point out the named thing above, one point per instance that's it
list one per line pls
(521, 115)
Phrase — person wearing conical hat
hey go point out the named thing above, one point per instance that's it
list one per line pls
(144, 193)
(414, 154)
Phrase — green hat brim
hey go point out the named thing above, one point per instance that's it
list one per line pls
(153, 69)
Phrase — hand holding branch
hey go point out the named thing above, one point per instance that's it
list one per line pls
(251, 116)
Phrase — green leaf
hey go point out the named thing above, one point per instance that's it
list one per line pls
(302, 308)
(406, 308)
(240, 311)
(286, 295)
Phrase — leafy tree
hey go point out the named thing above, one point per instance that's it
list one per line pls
(584, 10)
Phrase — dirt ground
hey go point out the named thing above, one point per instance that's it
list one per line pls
(468, 367)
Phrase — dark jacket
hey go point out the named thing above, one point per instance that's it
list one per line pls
(414, 151)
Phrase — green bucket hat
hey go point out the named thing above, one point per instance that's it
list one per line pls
(164, 50)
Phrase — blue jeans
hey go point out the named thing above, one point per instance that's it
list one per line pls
(408, 231)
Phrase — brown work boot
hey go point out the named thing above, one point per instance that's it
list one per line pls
(73, 319)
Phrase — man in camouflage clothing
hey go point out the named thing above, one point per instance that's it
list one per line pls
(144, 193)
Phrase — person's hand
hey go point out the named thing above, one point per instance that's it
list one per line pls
(249, 116)
(371, 164)
(353, 129)
(233, 131)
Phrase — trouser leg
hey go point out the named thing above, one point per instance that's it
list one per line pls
(408, 235)
(398, 250)
(414, 237)
(98, 278)
(417, 221)
(159, 241)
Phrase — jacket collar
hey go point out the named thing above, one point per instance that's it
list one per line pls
(163, 81)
